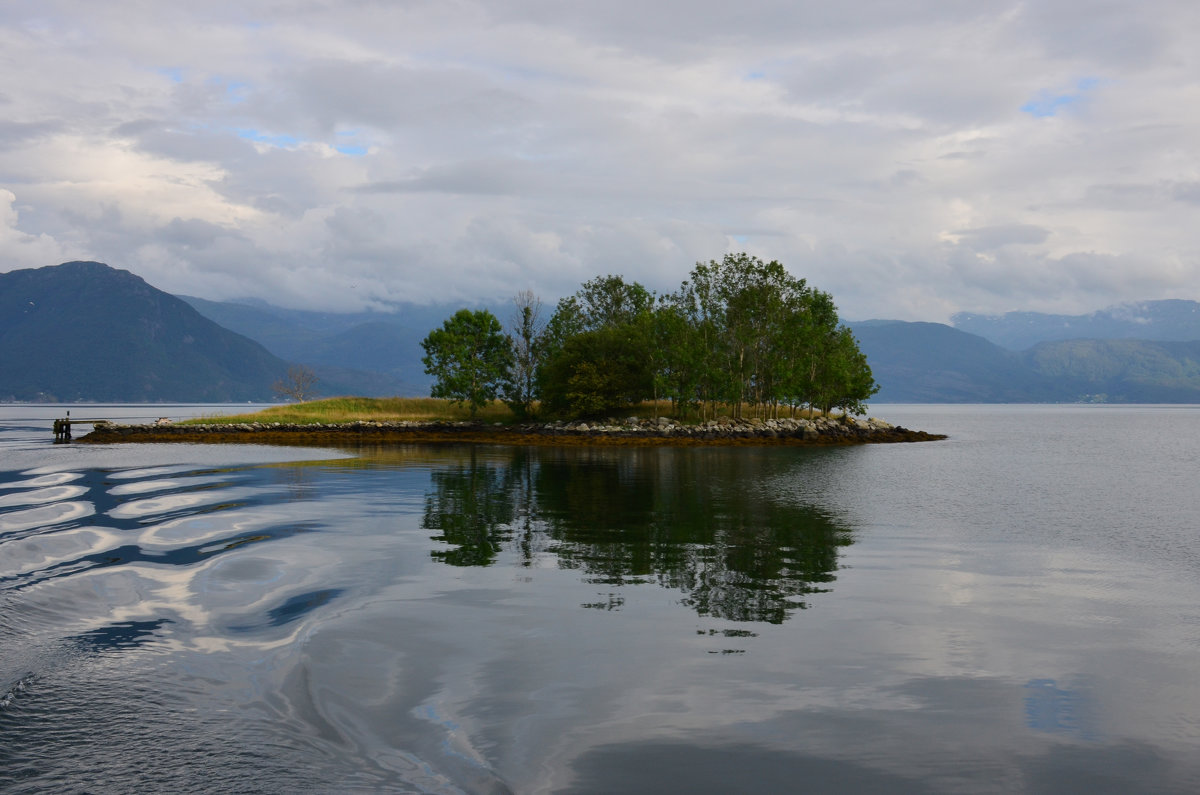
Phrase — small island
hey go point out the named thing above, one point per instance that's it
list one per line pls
(425, 420)
(742, 353)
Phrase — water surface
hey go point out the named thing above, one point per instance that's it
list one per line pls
(1013, 609)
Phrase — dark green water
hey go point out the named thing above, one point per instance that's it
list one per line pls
(1014, 609)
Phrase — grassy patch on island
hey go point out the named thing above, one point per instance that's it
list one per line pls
(353, 409)
(397, 409)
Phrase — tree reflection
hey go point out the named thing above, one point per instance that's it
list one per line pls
(472, 504)
(707, 523)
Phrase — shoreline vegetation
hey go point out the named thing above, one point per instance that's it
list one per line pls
(430, 420)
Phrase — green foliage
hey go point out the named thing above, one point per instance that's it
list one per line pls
(597, 372)
(610, 302)
(745, 333)
(598, 357)
(739, 333)
(841, 377)
(469, 357)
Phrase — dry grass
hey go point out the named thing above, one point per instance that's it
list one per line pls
(350, 409)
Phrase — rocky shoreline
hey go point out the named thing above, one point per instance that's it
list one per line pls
(627, 431)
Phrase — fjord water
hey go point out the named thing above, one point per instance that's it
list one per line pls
(1016, 608)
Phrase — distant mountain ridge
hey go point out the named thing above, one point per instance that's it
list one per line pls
(83, 331)
(385, 344)
(1171, 320)
(935, 363)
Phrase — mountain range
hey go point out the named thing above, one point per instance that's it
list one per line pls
(83, 331)
(1159, 321)
(936, 363)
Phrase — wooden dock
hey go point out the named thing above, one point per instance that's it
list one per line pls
(62, 427)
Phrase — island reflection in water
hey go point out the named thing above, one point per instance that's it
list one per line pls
(705, 525)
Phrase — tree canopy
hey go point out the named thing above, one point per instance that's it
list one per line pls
(469, 356)
(739, 335)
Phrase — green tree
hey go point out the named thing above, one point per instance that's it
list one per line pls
(469, 356)
(598, 372)
(677, 355)
(610, 301)
(844, 378)
(739, 333)
(603, 302)
(597, 354)
(741, 317)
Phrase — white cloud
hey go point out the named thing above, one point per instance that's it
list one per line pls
(339, 155)
(20, 250)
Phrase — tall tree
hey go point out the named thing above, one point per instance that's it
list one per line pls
(597, 354)
(469, 356)
(610, 301)
(844, 378)
(526, 335)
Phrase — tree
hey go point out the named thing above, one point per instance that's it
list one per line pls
(299, 385)
(598, 372)
(526, 333)
(602, 302)
(596, 351)
(739, 335)
(845, 381)
(469, 356)
(609, 301)
(739, 317)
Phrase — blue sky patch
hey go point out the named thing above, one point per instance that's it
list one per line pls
(1048, 104)
(266, 138)
(354, 150)
(236, 92)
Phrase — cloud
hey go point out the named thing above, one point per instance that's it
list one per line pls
(494, 177)
(913, 160)
(993, 237)
(20, 249)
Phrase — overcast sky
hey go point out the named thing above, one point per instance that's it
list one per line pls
(913, 158)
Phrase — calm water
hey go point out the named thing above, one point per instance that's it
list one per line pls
(1016, 609)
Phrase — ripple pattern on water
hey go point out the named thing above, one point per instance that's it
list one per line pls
(43, 495)
(143, 565)
(44, 516)
(53, 479)
(165, 484)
